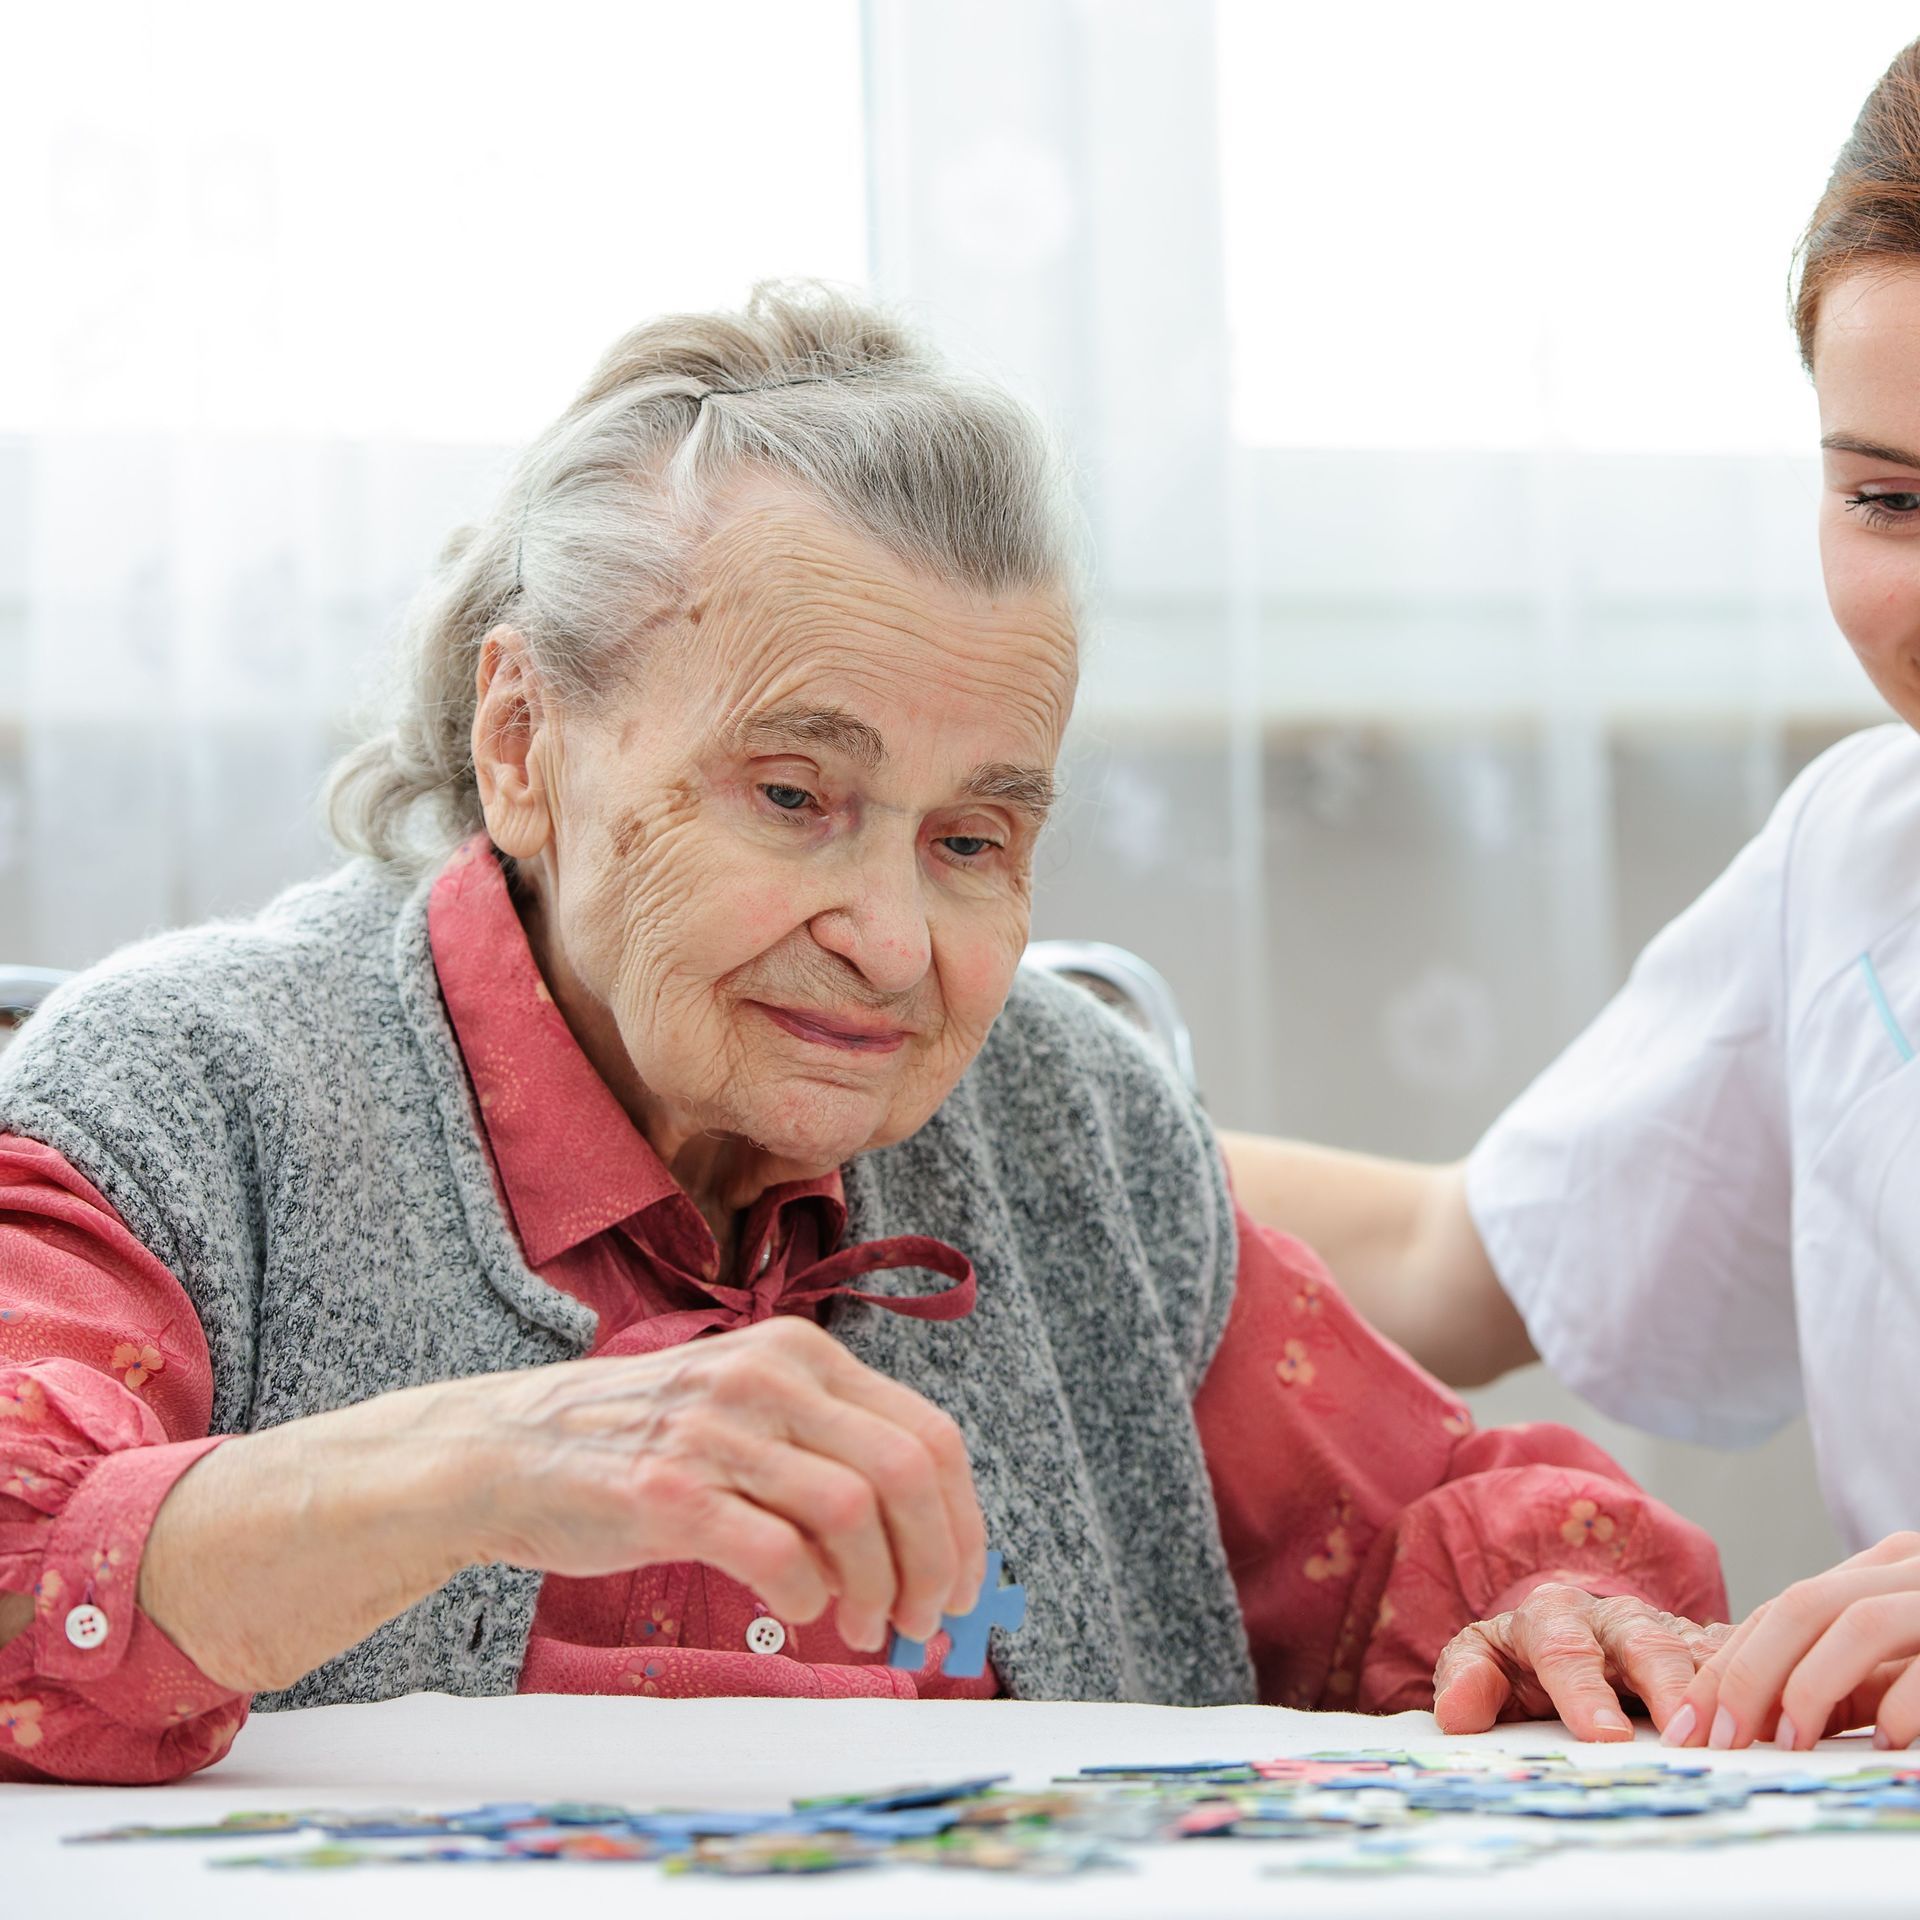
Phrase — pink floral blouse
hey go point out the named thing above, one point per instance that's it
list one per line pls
(1365, 1519)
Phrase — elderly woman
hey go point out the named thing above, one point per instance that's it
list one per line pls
(460, 1276)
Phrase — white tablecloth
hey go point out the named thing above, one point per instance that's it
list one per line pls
(431, 1751)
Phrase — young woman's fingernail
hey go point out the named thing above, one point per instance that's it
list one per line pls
(1722, 1734)
(1680, 1726)
(1784, 1736)
(1882, 1739)
(1613, 1722)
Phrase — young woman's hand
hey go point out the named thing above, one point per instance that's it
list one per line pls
(1565, 1652)
(1833, 1652)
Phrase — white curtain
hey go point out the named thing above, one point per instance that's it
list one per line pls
(1426, 368)
(284, 287)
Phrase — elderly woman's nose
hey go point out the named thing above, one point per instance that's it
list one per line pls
(884, 934)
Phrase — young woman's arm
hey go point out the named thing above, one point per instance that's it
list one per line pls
(1401, 1243)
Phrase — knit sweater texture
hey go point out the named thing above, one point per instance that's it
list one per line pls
(279, 1110)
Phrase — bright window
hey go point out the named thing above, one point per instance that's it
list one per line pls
(400, 222)
(1503, 224)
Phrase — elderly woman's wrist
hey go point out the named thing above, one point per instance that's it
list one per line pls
(281, 1548)
(462, 1474)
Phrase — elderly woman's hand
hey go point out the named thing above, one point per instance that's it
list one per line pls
(1564, 1652)
(770, 1453)
(1833, 1652)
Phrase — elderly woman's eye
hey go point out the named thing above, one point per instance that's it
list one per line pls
(968, 846)
(788, 799)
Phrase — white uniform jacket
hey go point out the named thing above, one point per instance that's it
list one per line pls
(1708, 1209)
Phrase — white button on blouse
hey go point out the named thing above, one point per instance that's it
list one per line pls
(765, 1634)
(1708, 1208)
(87, 1627)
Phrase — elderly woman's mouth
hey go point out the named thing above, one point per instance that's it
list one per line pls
(851, 1036)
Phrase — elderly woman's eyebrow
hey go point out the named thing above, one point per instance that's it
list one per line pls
(831, 727)
(1030, 789)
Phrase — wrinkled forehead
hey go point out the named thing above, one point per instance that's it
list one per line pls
(786, 607)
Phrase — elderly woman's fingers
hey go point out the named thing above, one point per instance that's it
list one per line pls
(883, 1523)
(1471, 1683)
(765, 1552)
(1648, 1651)
(624, 1462)
(946, 1446)
(1705, 1642)
(898, 1498)
(1869, 1632)
(1562, 1650)
(1553, 1637)
(838, 1511)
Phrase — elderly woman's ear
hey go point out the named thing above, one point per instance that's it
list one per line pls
(514, 747)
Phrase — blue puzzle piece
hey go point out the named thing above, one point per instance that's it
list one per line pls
(869, 1823)
(996, 1606)
(902, 1799)
(898, 1799)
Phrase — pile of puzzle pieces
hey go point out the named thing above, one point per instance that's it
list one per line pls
(1353, 1813)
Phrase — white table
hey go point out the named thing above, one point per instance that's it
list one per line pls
(433, 1751)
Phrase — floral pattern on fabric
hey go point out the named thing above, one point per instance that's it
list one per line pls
(1335, 1559)
(26, 1486)
(22, 1398)
(1293, 1366)
(1586, 1526)
(20, 1722)
(136, 1363)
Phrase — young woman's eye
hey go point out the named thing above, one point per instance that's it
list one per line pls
(788, 799)
(1884, 509)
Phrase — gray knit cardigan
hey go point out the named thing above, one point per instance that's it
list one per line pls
(278, 1109)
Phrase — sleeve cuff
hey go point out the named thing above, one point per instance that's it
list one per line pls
(1598, 1585)
(90, 1632)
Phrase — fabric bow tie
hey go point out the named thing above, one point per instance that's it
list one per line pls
(800, 1292)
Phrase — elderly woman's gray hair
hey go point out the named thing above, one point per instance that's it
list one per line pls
(590, 543)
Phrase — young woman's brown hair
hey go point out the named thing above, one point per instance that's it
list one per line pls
(1871, 208)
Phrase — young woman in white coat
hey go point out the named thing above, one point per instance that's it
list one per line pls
(1706, 1214)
